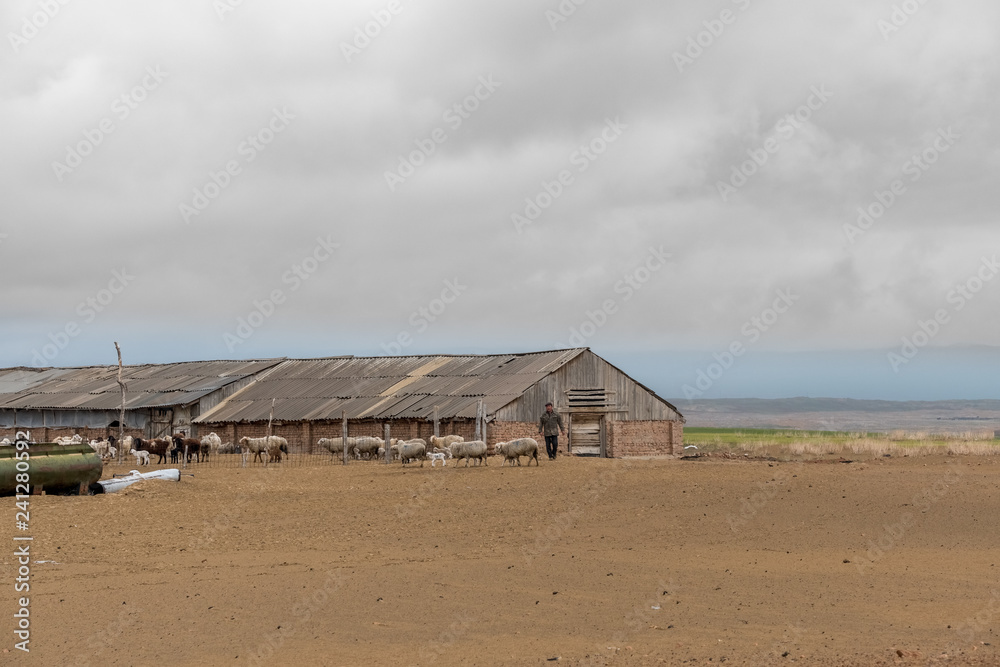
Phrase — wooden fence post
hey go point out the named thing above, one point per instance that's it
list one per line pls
(437, 423)
(386, 434)
(343, 432)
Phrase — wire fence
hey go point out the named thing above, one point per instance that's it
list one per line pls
(291, 459)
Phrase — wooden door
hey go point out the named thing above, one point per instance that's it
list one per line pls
(586, 434)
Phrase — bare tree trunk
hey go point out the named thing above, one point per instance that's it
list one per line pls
(121, 413)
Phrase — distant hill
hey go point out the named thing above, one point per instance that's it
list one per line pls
(842, 414)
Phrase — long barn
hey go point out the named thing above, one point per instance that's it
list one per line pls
(606, 412)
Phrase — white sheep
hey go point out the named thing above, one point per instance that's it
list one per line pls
(257, 446)
(446, 451)
(475, 449)
(5, 442)
(437, 456)
(210, 443)
(515, 449)
(141, 456)
(412, 451)
(444, 442)
(101, 447)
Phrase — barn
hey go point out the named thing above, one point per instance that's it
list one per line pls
(606, 412)
(160, 399)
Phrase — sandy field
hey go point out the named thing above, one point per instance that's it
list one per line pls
(577, 562)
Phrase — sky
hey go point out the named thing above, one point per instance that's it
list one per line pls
(734, 198)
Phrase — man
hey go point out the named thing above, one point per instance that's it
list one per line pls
(550, 425)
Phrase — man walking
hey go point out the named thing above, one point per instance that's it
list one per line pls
(550, 425)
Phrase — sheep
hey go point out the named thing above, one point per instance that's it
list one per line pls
(475, 449)
(193, 446)
(5, 442)
(515, 449)
(445, 441)
(227, 448)
(76, 439)
(437, 456)
(141, 456)
(100, 446)
(257, 446)
(275, 446)
(159, 447)
(210, 443)
(446, 451)
(127, 442)
(411, 451)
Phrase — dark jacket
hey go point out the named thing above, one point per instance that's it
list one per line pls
(550, 423)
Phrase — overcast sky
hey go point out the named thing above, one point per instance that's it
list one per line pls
(218, 180)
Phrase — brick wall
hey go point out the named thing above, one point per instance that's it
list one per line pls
(644, 438)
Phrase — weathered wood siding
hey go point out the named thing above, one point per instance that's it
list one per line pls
(632, 401)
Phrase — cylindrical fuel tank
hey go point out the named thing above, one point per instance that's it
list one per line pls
(54, 468)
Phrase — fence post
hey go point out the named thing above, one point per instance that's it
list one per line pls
(185, 456)
(479, 420)
(437, 423)
(387, 431)
(343, 432)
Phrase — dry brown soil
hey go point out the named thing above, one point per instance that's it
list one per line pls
(580, 561)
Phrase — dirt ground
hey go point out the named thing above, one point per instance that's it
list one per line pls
(581, 561)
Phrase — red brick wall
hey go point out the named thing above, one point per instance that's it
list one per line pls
(644, 438)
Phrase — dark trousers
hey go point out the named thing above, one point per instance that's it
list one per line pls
(551, 445)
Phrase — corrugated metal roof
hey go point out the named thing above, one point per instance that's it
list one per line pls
(96, 387)
(388, 387)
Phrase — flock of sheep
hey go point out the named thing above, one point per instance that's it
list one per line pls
(441, 449)
(269, 449)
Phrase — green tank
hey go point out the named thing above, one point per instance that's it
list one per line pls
(56, 469)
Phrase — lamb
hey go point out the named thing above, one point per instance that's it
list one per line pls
(475, 449)
(210, 443)
(515, 449)
(445, 441)
(437, 456)
(411, 451)
(275, 446)
(446, 451)
(141, 456)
